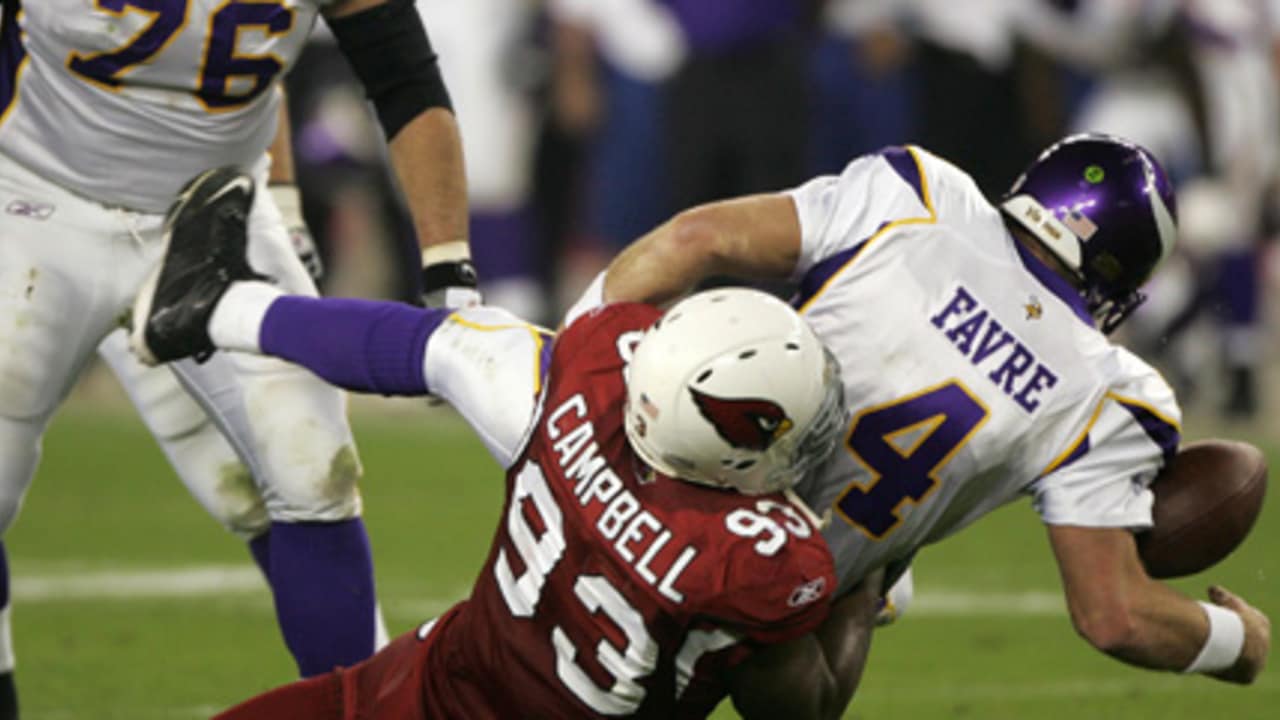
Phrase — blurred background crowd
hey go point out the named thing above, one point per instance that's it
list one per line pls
(587, 122)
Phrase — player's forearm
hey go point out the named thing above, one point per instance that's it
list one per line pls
(788, 680)
(755, 237)
(812, 677)
(661, 266)
(846, 639)
(427, 157)
(389, 51)
(1156, 627)
(281, 150)
(1168, 631)
(1123, 612)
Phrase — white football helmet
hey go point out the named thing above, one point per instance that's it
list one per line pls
(730, 388)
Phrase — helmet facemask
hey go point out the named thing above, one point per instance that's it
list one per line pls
(1109, 310)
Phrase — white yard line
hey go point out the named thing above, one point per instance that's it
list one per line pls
(948, 602)
(239, 580)
(224, 580)
(188, 581)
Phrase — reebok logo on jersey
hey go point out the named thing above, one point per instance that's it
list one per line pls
(807, 593)
(29, 209)
(744, 423)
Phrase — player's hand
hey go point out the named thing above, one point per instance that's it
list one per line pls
(289, 201)
(1257, 637)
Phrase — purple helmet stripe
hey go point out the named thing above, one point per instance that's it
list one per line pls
(1165, 226)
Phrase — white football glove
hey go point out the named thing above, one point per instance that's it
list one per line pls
(289, 201)
(895, 602)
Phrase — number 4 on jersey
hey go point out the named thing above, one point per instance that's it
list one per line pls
(904, 444)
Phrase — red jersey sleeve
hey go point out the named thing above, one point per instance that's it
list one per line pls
(769, 588)
(773, 599)
(777, 576)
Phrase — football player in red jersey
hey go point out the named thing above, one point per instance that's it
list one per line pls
(651, 558)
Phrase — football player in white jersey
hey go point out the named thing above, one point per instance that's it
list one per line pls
(106, 108)
(972, 342)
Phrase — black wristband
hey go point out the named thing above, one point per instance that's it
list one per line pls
(456, 273)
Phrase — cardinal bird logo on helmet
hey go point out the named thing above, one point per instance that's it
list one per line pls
(744, 423)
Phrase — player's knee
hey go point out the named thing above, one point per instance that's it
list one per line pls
(327, 494)
(10, 503)
(33, 364)
(237, 504)
(20, 448)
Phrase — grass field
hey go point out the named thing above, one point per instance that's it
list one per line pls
(130, 603)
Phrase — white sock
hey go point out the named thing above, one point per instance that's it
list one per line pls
(237, 320)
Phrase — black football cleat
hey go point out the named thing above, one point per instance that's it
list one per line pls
(206, 237)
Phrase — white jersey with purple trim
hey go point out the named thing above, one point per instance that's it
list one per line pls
(122, 101)
(974, 374)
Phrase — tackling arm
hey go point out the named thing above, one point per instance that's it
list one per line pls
(813, 676)
(1125, 613)
(757, 236)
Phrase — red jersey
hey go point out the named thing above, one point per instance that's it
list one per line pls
(611, 591)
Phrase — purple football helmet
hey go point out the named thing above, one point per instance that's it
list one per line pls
(1105, 208)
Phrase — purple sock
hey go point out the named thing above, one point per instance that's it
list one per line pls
(361, 345)
(260, 549)
(322, 577)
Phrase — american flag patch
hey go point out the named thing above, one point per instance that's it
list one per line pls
(1076, 222)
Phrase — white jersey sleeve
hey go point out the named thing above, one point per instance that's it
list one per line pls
(839, 212)
(1103, 478)
(592, 298)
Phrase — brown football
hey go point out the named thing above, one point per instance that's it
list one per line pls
(1206, 501)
